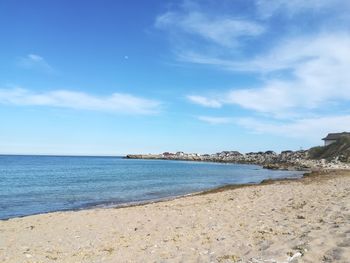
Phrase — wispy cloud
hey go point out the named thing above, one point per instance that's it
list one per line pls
(204, 101)
(35, 62)
(221, 30)
(114, 103)
(267, 8)
(318, 66)
(215, 120)
(307, 128)
(285, 54)
(297, 52)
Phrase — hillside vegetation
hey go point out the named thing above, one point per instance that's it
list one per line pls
(340, 149)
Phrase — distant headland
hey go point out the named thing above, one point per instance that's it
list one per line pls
(334, 155)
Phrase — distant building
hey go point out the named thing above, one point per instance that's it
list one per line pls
(333, 137)
(168, 154)
(180, 154)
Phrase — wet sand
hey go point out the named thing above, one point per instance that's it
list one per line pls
(306, 220)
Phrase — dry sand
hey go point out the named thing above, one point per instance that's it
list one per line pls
(286, 221)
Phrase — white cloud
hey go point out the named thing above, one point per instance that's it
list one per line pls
(318, 68)
(300, 65)
(36, 62)
(307, 128)
(203, 101)
(215, 120)
(114, 103)
(285, 54)
(220, 30)
(267, 8)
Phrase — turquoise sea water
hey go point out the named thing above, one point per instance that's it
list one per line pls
(38, 184)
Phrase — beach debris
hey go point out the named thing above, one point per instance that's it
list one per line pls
(294, 257)
(229, 258)
(301, 249)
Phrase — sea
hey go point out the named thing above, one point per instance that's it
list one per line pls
(39, 184)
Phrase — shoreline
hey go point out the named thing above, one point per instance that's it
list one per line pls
(305, 220)
(168, 198)
(228, 187)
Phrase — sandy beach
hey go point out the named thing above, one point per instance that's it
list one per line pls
(306, 220)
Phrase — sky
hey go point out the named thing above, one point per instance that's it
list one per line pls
(90, 77)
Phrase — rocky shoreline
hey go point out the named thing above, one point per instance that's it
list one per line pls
(287, 160)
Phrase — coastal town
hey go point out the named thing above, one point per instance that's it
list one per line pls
(291, 160)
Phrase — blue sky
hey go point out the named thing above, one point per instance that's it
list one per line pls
(116, 77)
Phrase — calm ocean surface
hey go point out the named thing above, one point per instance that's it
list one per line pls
(39, 184)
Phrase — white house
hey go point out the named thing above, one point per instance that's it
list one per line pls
(333, 137)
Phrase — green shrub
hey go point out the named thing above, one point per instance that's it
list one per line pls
(316, 152)
(340, 149)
